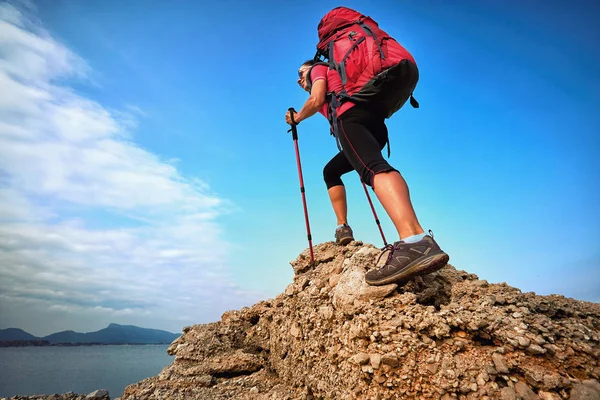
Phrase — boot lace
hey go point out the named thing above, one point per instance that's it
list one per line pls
(391, 248)
(388, 247)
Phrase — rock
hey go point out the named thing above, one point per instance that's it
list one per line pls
(593, 383)
(587, 390)
(524, 391)
(296, 331)
(548, 396)
(351, 290)
(390, 360)
(432, 368)
(100, 394)
(523, 342)
(539, 340)
(445, 335)
(367, 292)
(500, 363)
(552, 381)
(375, 360)
(535, 349)
(508, 393)
(482, 378)
(360, 358)
(205, 381)
(490, 369)
(542, 378)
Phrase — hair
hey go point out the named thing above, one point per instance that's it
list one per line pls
(308, 63)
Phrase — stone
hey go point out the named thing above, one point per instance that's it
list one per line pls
(592, 383)
(98, 394)
(523, 342)
(375, 360)
(508, 393)
(582, 391)
(360, 358)
(390, 360)
(535, 349)
(205, 381)
(524, 391)
(500, 363)
(548, 395)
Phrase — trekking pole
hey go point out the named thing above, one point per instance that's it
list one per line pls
(374, 213)
(295, 137)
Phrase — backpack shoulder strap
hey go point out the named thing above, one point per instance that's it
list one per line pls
(308, 80)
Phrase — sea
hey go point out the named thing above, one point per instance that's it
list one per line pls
(79, 369)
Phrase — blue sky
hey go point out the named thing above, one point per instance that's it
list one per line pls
(147, 176)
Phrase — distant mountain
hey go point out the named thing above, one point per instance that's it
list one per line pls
(113, 334)
(15, 334)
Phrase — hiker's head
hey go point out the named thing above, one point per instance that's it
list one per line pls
(302, 71)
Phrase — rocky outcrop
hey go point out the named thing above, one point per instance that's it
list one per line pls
(331, 336)
(101, 394)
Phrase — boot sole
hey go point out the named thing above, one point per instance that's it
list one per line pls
(345, 241)
(422, 267)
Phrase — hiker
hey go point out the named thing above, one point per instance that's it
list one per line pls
(360, 131)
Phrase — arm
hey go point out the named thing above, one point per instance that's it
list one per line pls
(314, 102)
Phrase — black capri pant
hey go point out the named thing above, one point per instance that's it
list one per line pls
(362, 135)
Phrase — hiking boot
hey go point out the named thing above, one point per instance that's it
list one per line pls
(343, 235)
(407, 260)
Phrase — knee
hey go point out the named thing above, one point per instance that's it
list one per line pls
(328, 172)
(369, 176)
(331, 177)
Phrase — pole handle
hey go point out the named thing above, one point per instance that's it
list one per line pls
(293, 124)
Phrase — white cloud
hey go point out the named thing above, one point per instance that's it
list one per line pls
(91, 224)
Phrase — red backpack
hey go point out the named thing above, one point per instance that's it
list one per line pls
(368, 61)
